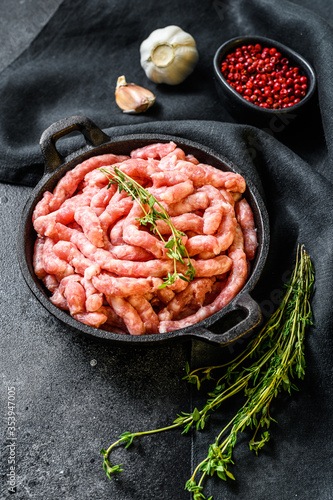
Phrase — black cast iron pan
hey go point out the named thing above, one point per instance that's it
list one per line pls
(242, 313)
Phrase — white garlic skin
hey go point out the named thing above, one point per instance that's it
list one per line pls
(169, 55)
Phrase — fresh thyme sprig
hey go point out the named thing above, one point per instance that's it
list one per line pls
(277, 355)
(147, 202)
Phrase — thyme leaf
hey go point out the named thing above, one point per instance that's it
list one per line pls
(175, 245)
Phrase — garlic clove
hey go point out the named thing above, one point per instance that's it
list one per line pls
(132, 98)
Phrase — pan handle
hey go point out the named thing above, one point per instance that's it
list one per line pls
(52, 158)
(244, 303)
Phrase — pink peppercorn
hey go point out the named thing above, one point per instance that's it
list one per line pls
(264, 77)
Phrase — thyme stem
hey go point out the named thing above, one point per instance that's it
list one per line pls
(278, 356)
(175, 245)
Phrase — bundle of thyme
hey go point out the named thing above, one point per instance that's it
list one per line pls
(175, 245)
(266, 367)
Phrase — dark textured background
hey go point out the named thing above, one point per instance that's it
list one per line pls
(75, 395)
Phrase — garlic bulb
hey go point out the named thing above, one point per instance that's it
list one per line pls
(168, 55)
(132, 98)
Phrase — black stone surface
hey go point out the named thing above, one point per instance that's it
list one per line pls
(73, 394)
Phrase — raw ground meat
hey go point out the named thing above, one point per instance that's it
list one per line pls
(102, 266)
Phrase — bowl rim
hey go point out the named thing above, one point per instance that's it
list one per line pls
(234, 42)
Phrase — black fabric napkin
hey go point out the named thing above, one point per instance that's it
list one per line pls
(71, 68)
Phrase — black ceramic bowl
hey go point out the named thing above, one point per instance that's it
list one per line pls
(247, 112)
(216, 329)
